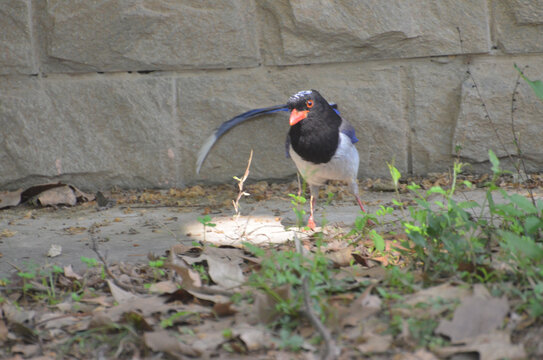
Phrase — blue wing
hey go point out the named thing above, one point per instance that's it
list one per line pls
(347, 129)
(236, 120)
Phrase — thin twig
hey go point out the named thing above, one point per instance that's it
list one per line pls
(240, 185)
(331, 351)
(485, 108)
(94, 247)
(517, 140)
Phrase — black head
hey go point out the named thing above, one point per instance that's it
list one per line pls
(299, 101)
(306, 103)
(314, 126)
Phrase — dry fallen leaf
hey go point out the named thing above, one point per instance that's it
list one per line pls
(473, 317)
(224, 309)
(7, 233)
(264, 303)
(3, 332)
(441, 292)
(420, 354)
(121, 296)
(361, 308)
(375, 343)
(54, 250)
(224, 264)
(62, 195)
(26, 350)
(493, 346)
(341, 257)
(72, 230)
(254, 337)
(190, 279)
(164, 341)
(161, 287)
(10, 198)
(70, 273)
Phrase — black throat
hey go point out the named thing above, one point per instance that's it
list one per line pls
(316, 137)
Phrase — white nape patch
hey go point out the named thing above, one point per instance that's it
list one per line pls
(301, 94)
(343, 166)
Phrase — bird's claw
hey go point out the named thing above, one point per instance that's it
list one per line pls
(311, 223)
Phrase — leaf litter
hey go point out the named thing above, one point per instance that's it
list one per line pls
(199, 302)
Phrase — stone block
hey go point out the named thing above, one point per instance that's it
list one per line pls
(92, 132)
(318, 31)
(519, 25)
(476, 133)
(369, 96)
(527, 12)
(121, 35)
(435, 89)
(15, 38)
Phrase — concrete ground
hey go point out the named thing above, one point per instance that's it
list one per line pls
(128, 234)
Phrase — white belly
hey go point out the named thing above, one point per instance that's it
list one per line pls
(343, 165)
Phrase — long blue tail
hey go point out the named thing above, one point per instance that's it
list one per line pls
(236, 120)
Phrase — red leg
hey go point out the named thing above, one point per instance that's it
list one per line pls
(359, 203)
(370, 223)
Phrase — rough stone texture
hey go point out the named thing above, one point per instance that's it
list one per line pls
(314, 31)
(527, 12)
(120, 35)
(495, 80)
(15, 38)
(94, 132)
(396, 68)
(435, 91)
(373, 104)
(519, 25)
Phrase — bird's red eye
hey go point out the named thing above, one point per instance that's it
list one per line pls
(309, 103)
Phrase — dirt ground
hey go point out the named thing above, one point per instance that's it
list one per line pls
(130, 231)
(133, 307)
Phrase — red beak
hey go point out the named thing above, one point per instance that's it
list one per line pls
(297, 116)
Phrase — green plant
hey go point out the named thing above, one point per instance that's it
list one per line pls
(288, 268)
(206, 222)
(536, 85)
(177, 316)
(27, 277)
(157, 266)
(400, 279)
(227, 333)
(441, 232)
(92, 262)
(290, 341)
(201, 270)
(298, 201)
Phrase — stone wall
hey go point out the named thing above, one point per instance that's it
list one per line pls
(123, 92)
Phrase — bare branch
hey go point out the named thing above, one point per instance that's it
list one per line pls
(240, 185)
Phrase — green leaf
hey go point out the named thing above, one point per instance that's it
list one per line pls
(255, 250)
(523, 203)
(378, 240)
(494, 161)
(522, 244)
(509, 210)
(537, 85)
(469, 204)
(394, 173)
(436, 190)
(532, 224)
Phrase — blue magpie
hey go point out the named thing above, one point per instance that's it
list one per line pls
(319, 141)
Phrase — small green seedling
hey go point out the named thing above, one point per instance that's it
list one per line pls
(206, 222)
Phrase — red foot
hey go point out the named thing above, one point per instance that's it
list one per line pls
(311, 223)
